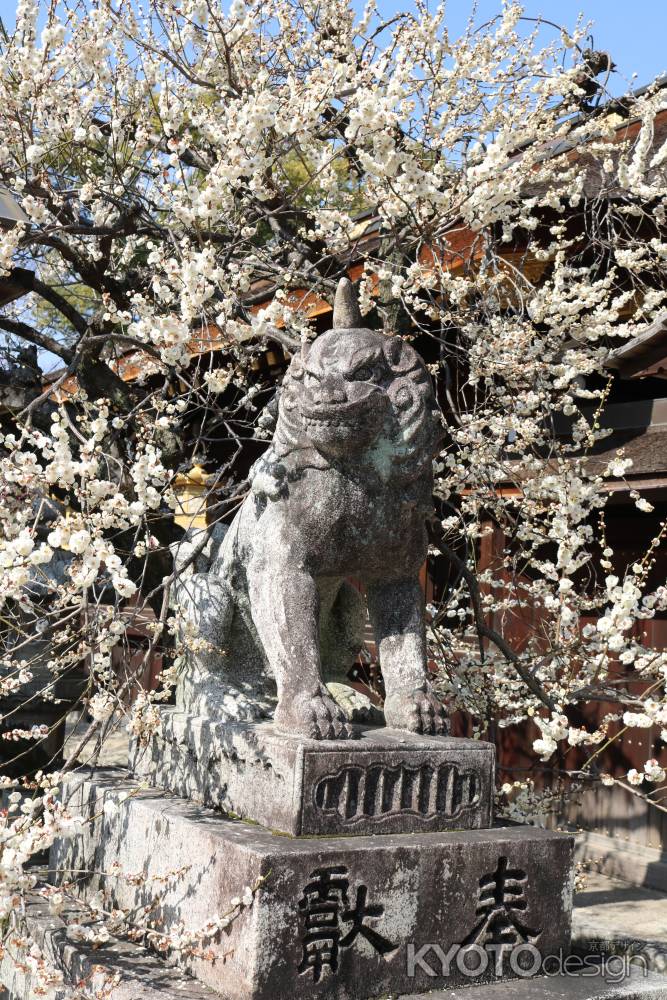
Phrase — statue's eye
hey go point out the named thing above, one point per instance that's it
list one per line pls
(363, 374)
(310, 380)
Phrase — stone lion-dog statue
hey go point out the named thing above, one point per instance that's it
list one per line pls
(342, 491)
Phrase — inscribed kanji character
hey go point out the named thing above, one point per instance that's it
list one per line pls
(325, 905)
(500, 900)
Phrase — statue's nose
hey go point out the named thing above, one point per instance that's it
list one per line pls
(332, 390)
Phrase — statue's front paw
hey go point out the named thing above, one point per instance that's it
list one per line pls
(419, 711)
(316, 716)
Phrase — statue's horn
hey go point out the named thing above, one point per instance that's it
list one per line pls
(346, 315)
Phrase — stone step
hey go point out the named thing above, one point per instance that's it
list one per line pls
(386, 781)
(141, 975)
(633, 986)
(337, 918)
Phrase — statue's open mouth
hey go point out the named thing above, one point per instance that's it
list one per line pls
(352, 412)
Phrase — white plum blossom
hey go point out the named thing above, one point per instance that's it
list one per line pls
(654, 772)
(639, 720)
(101, 705)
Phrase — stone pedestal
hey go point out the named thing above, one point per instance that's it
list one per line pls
(334, 917)
(386, 781)
(375, 865)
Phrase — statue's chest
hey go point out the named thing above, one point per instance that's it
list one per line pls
(345, 524)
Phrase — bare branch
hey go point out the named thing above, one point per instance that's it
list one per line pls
(43, 340)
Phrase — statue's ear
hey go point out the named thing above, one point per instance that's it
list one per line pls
(306, 348)
(400, 356)
(392, 350)
(268, 418)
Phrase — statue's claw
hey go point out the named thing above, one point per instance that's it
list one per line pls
(316, 716)
(419, 711)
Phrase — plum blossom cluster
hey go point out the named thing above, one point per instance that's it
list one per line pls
(34, 733)
(101, 924)
(32, 819)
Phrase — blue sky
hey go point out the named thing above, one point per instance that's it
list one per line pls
(634, 32)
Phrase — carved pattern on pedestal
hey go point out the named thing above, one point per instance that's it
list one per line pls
(381, 791)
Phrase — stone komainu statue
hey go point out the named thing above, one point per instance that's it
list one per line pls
(343, 490)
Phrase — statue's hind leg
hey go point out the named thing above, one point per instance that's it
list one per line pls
(342, 624)
(212, 685)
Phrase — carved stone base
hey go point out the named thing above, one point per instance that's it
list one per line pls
(388, 781)
(149, 977)
(337, 918)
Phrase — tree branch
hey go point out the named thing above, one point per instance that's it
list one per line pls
(33, 284)
(485, 630)
(33, 336)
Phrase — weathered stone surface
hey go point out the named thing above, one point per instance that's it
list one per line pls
(141, 975)
(343, 490)
(635, 986)
(386, 781)
(613, 917)
(145, 976)
(341, 918)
